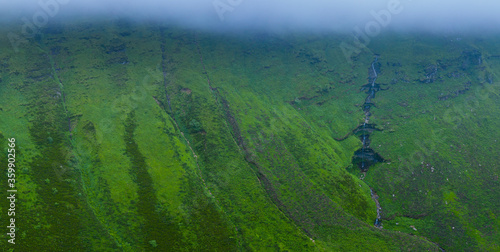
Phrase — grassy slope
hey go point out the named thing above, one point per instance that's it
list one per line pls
(245, 162)
(299, 164)
(442, 177)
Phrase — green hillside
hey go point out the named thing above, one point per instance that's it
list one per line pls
(149, 137)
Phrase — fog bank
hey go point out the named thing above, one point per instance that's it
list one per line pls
(313, 15)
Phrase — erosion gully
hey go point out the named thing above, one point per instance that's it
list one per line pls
(365, 157)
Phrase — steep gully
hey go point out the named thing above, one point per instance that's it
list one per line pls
(365, 157)
(233, 127)
(165, 61)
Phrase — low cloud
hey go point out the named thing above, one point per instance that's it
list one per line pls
(294, 15)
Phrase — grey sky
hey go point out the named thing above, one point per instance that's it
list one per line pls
(338, 15)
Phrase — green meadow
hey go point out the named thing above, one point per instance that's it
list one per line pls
(150, 137)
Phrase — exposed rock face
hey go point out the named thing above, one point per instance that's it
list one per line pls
(430, 74)
(366, 157)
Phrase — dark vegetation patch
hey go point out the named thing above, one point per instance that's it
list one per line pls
(456, 93)
(59, 201)
(158, 225)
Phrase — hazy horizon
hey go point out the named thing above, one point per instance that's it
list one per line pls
(318, 15)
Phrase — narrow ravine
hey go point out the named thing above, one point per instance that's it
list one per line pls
(378, 222)
(365, 157)
(234, 129)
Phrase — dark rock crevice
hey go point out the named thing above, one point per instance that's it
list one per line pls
(366, 156)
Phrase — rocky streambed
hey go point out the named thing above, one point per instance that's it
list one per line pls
(365, 157)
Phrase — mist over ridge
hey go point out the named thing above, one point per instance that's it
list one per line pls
(280, 15)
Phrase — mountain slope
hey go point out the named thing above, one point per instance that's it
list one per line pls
(141, 137)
